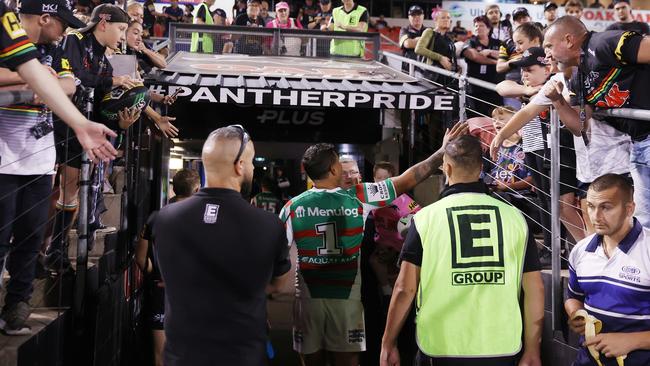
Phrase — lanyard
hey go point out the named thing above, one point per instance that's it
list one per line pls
(581, 95)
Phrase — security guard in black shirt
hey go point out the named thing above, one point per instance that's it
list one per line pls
(410, 35)
(216, 267)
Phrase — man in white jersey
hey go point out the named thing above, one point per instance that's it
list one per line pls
(609, 276)
(326, 224)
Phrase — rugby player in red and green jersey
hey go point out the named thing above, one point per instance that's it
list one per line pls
(326, 225)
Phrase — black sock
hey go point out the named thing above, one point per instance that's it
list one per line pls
(62, 224)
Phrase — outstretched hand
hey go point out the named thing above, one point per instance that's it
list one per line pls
(458, 130)
(92, 137)
(165, 126)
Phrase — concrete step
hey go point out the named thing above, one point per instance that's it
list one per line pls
(113, 205)
(99, 247)
(40, 347)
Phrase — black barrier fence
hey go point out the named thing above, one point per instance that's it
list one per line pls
(79, 287)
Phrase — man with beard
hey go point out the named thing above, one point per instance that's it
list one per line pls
(613, 72)
(500, 30)
(626, 22)
(216, 269)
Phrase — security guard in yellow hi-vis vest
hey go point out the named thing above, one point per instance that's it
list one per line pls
(467, 258)
(203, 16)
(350, 17)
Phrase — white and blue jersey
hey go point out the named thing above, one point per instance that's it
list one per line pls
(615, 290)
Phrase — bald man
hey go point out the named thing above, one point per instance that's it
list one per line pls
(217, 270)
(613, 72)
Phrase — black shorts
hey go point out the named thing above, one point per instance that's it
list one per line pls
(157, 302)
(68, 149)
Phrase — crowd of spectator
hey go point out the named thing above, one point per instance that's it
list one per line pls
(534, 66)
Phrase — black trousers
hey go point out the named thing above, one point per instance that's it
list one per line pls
(24, 203)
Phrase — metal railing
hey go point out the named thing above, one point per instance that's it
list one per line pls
(554, 146)
(312, 43)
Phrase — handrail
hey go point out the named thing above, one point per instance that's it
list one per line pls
(441, 71)
(638, 114)
(270, 31)
(15, 97)
(388, 40)
(175, 28)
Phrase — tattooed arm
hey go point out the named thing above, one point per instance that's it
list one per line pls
(422, 170)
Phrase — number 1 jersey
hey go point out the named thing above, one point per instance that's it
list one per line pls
(326, 226)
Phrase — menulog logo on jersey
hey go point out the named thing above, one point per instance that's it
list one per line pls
(326, 212)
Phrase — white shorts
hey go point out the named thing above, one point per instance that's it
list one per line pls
(334, 325)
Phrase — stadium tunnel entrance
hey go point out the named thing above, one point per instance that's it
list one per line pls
(289, 103)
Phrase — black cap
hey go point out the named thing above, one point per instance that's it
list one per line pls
(520, 12)
(60, 8)
(325, 2)
(220, 12)
(550, 5)
(415, 10)
(108, 12)
(530, 57)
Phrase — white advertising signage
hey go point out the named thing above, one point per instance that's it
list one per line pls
(595, 19)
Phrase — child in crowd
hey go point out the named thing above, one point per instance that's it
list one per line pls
(535, 127)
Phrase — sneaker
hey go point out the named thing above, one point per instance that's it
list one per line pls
(57, 262)
(13, 320)
(106, 229)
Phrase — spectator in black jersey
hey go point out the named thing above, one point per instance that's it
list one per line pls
(320, 22)
(239, 8)
(309, 11)
(187, 13)
(28, 155)
(481, 53)
(186, 182)
(410, 35)
(146, 57)
(322, 17)
(173, 14)
(626, 22)
(85, 51)
(252, 16)
(217, 270)
(525, 36)
(149, 17)
(134, 42)
(250, 45)
(613, 72)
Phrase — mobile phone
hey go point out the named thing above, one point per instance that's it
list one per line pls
(178, 90)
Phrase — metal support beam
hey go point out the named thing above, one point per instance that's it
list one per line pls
(556, 290)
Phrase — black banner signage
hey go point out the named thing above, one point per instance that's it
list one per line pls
(336, 125)
(308, 98)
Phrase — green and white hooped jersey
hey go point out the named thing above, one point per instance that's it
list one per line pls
(326, 226)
